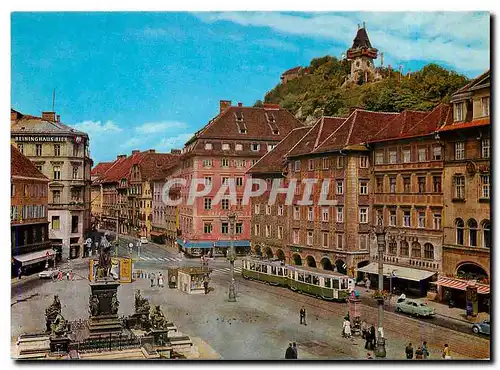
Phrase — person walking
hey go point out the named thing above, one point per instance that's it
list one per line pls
(409, 351)
(152, 279)
(367, 284)
(160, 280)
(289, 352)
(19, 273)
(205, 284)
(446, 352)
(295, 353)
(419, 354)
(347, 328)
(303, 316)
(425, 350)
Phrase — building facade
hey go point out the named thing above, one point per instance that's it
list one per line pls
(60, 153)
(30, 244)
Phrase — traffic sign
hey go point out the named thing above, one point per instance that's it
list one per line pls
(131, 245)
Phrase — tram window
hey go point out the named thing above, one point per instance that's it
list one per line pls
(328, 283)
(252, 266)
(273, 270)
(244, 264)
(257, 268)
(300, 277)
(280, 271)
(308, 279)
(335, 283)
(264, 269)
(344, 284)
(315, 280)
(286, 272)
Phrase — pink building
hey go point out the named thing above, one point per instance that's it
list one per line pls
(219, 153)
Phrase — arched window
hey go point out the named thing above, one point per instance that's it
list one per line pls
(416, 250)
(472, 225)
(459, 224)
(393, 247)
(486, 226)
(404, 249)
(428, 251)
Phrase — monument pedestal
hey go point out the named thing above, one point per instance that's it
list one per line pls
(104, 321)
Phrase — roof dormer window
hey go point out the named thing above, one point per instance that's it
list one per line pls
(276, 132)
(255, 147)
(208, 146)
(459, 112)
(242, 128)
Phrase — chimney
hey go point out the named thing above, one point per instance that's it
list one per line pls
(58, 118)
(120, 156)
(151, 151)
(224, 104)
(135, 151)
(240, 104)
(49, 116)
(175, 151)
(14, 115)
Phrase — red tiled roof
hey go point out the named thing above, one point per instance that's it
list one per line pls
(358, 128)
(101, 168)
(273, 161)
(463, 125)
(323, 128)
(399, 126)
(21, 166)
(439, 116)
(291, 71)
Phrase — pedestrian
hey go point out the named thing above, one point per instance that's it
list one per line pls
(160, 280)
(303, 316)
(402, 298)
(152, 278)
(364, 329)
(295, 353)
(19, 273)
(419, 354)
(409, 351)
(425, 350)
(446, 352)
(205, 283)
(59, 275)
(372, 337)
(67, 275)
(367, 284)
(347, 328)
(289, 352)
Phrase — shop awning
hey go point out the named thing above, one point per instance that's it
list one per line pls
(195, 244)
(399, 272)
(34, 257)
(156, 233)
(236, 243)
(461, 284)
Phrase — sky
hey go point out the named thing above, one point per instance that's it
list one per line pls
(144, 80)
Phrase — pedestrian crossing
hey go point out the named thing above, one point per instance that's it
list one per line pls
(225, 271)
(160, 259)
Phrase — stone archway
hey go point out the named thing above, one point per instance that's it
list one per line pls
(326, 264)
(280, 255)
(297, 260)
(471, 270)
(268, 252)
(258, 250)
(341, 267)
(311, 262)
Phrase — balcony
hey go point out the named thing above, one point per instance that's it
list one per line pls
(408, 199)
(412, 262)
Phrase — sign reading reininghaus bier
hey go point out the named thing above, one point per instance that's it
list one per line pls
(40, 138)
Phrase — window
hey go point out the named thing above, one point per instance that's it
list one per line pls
(310, 214)
(225, 181)
(56, 196)
(472, 224)
(392, 184)
(436, 153)
(268, 231)
(379, 183)
(485, 148)
(57, 150)
(225, 147)
(436, 221)
(208, 146)
(325, 216)
(310, 238)
(21, 148)
(363, 215)
(459, 150)
(406, 155)
(38, 150)
(208, 203)
(363, 161)
(296, 239)
(485, 186)
(208, 180)
(326, 236)
(428, 251)
(459, 113)
(421, 184)
(340, 187)
(363, 187)
(268, 209)
(238, 147)
(421, 219)
(280, 232)
(296, 213)
(404, 249)
(340, 214)
(76, 147)
(392, 156)
(239, 228)
(459, 187)
(393, 247)
(310, 165)
(255, 147)
(406, 218)
(75, 195)
(379, 157)
(436, 184)
(207, 163)
(57, 172)
(297, 166)
(325, 163)
(239, 181)
(485, 106)
(225, 204)
(257, 229)
(75, 172)
(379, 217)
(207, 228)
(270, 147)
(39, 167)
(486, 234)
(74, 224)
(363, 242)
(406, 185)
(280, 210)
(459, 224)
(340, 241)
(416, 250)
(256, 209)
(340, 161)
(224, 162)
(56, 223)
(422, 155)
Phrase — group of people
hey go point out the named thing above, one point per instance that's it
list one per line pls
(156, 279)
(422, 352)
(368, 333)
(291, 352)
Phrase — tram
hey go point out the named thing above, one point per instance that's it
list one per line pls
(324, 284)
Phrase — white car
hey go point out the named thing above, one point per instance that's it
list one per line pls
(144, 240)
(48, 274)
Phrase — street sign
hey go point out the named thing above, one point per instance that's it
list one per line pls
(131, 245)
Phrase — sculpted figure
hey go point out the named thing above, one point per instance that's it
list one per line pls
(94, 305)
(114, 304)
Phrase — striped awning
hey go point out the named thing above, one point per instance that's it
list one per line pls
(461, 284)
(34, 257)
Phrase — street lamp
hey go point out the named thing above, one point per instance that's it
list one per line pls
(380, 233)
(231, 257)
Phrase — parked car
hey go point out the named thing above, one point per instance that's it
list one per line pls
(414, 308)
(482, 327)
(144, 240)
(48, 274)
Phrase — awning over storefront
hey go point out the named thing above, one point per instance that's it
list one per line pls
(236, 243)
(34, 257)
(195, 244)
(397, 272)
(156, 233)
(461, 284)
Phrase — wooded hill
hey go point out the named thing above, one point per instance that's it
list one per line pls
(318, 90)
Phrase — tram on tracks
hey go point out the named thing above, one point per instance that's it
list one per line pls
(324, 284)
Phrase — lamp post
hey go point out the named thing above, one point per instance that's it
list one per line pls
(380, 232)
(231, 257)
